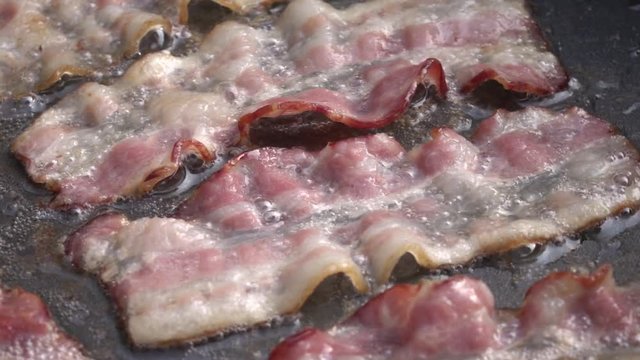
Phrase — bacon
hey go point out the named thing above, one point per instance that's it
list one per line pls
(46, 43)
(181, 282)
(28, 332)
(381, 108)
(260, 234)
(454, 317)
(575, 315)
(579, 303)
(359, 67)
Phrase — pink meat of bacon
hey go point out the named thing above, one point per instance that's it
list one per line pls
(256, 238)
(359, 66)
(564, 314)
(28, 332)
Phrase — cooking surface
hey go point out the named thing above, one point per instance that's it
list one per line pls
(597, 41)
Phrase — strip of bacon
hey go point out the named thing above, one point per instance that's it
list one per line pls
(526, 176)
(454, 318)
(309, 61)
(28, 332)
(182, 282)
(257, 237)
(381, 108)
(564, 314)
(48, 42)
(475, 41)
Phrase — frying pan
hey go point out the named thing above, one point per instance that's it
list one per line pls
(597, 41)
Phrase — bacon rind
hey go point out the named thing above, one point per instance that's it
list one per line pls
(355, 207)
(28, 332)
(564, 314)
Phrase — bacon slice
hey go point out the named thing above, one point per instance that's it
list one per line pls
(181, 282)
(475, 41)
(257, 237)
(564, 314)
(381, 108)
(28, 332)
(454, 317)
(48, 42)
(313, 59)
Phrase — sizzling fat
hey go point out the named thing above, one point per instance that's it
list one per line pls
(257, 237)
(358, 66)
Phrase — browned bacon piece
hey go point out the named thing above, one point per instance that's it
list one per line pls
(28, 332)
(255, 239)
(564, 314)
(359, 66)
(380, 108)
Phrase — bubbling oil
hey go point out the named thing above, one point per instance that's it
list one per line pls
(18, 227)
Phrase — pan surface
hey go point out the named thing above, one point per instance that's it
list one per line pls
(597, 41)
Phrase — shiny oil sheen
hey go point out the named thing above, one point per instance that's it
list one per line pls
(29, 233)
